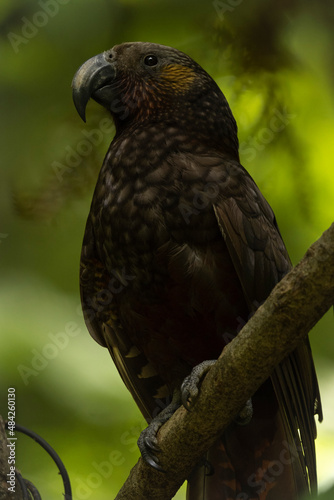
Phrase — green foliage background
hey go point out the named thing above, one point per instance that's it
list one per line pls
(274, 61)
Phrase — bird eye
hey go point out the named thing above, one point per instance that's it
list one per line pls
(151, 60)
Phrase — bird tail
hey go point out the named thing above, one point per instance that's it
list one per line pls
(256, 461)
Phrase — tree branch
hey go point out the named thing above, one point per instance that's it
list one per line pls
(295, 305)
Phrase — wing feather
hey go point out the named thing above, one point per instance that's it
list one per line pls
(100, 313)
(249, 228)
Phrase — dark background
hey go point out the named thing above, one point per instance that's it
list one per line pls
(274, 62)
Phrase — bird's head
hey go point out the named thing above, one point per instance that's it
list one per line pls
(147, 81)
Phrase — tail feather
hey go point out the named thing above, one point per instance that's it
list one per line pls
(221, 484)
(258, 461)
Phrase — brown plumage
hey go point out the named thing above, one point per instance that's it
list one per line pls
(180, 248)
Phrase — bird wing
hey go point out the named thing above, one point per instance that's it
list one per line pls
(253, 239)
(100, 310)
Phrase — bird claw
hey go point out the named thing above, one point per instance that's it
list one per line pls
(190, 385)
(153, 462)
(152, 443)
(148, 442)
(148, 446)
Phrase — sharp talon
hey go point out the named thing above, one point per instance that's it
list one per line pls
(185, 401)
(151, 444)
(188, 402)
(154, 462)
(189, 405)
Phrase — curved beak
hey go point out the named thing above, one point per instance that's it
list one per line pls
(95, 74)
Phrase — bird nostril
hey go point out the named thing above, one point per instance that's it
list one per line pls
(109, 55)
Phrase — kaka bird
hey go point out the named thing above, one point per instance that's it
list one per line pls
(180, 245)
